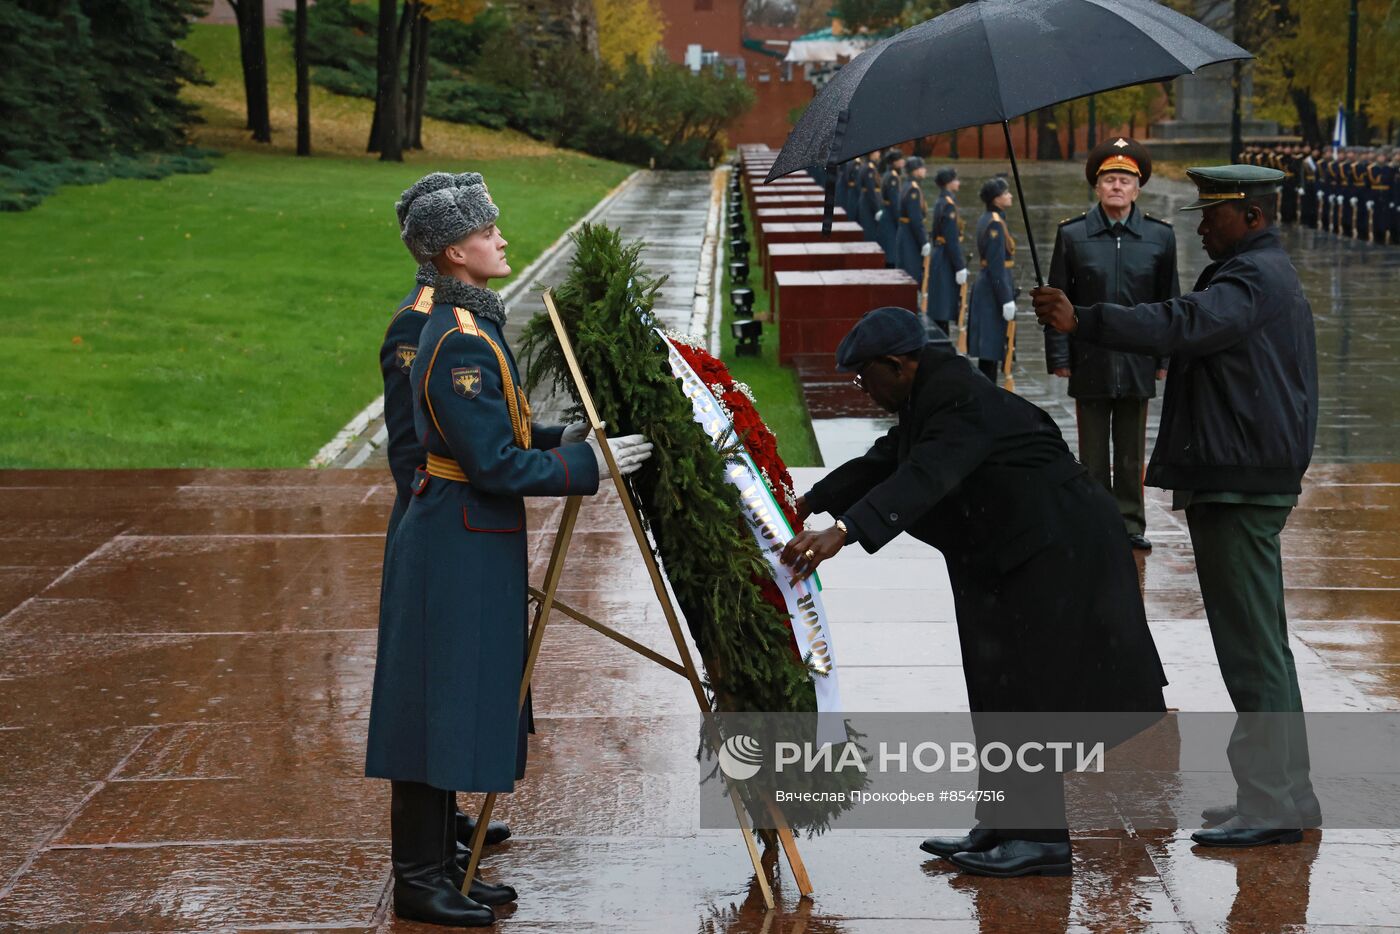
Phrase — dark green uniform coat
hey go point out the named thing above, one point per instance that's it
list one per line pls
(452, 618)
(945, 259)
(994, 286)
(396, 356)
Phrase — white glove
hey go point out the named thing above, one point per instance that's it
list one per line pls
(1353, 202)
(575, 432)
(928, 248)
(879, 214)
(1299, 190)
(960, 277)
(1370, 205)
(1008, 312)
(630, 452)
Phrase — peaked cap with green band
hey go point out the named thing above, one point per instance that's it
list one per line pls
(1218, 183)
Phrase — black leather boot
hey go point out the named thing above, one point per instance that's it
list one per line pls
(1011, 858)
(481, 891)
(978, 840)
(419, 816)
(496, 831)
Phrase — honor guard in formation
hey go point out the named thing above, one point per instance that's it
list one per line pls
(947, 269)
(912, 236)
(445, 713)
(868, 194)
(887, 218)
(396, 355)
(1113, 253)
(1350, 192)
(1239, 420)
(992, 305)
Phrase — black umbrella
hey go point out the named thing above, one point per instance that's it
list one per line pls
(991, 61)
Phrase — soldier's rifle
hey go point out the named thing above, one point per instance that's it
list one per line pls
(962, 319)
(1010, 353)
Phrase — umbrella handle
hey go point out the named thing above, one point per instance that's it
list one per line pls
(1020, 196)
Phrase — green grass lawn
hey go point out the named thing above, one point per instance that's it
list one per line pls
(229, 319)
(775, 387)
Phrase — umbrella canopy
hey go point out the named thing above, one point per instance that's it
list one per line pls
(990, 61)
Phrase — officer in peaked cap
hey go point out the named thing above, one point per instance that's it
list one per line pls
(1239, 419)
(1114, 252)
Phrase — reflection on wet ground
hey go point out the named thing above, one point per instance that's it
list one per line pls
(186, 659)
(185, 667)
(1350, 284)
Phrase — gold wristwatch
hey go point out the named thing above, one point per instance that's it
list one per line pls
(845, 533)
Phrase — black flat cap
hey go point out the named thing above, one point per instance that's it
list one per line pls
(883, 332)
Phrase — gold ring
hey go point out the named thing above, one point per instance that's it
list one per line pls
(809, 554)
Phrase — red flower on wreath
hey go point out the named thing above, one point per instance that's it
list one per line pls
(757, 438)
(761, 445)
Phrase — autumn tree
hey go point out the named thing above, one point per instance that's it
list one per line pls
(628, 29)
(1301, 72)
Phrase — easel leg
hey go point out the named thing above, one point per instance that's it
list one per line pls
(794, 858)
(546, 604)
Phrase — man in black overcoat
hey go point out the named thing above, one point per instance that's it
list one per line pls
(1050, 617)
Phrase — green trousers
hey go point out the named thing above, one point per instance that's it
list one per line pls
(1124, 422)
(1240, 568)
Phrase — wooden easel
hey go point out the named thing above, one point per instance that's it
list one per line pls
(548, 602)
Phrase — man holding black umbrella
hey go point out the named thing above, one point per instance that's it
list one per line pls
(1115, 253)
(1238, 423)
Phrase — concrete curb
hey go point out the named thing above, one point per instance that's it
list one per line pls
(717, 206)
(701, 311)
(357, 425)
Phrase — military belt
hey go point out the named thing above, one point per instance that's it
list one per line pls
(445, 468)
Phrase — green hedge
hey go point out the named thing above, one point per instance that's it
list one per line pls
(91, 91)
(490, 73)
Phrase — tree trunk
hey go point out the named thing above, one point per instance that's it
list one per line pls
(1308, 123)
(1069, 149)
(303, 84)
(953, 145)
(1047, 135)
(418, 78)
(386, 133)
(252, 53)
(981, 147)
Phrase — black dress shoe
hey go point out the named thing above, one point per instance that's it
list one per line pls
(1310, 817)
(1139, 542)
(1236, 832)
(496, 831)
(977, 840)
(1011, 858)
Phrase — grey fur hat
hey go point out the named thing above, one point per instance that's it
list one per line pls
(433, 181)
(438, 219)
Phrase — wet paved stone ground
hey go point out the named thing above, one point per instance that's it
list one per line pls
(1351, 287)
(186, 659)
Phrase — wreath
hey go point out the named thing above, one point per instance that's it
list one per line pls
(721, 581)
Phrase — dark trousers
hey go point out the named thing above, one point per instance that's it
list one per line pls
(1240, 568)
(1124, 423)
(989, 368)
(941, 325)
